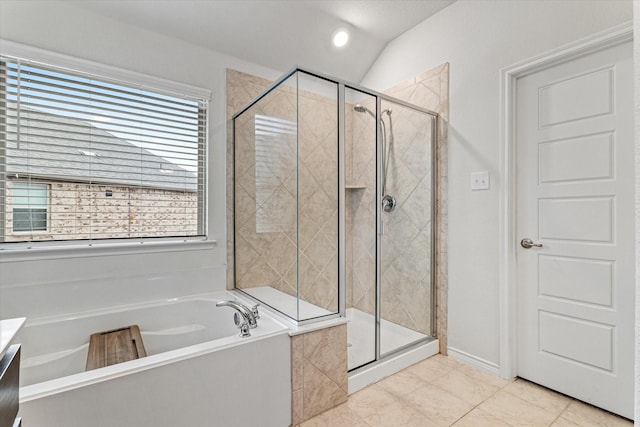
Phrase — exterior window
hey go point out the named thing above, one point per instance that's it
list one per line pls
(30, 207)
(112, 160)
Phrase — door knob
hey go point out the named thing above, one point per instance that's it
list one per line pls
(527, 243)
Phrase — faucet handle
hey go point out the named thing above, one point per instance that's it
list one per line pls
(244, 331)
(254, 310)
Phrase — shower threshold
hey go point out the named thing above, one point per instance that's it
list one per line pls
(361, 335)
(400, 347)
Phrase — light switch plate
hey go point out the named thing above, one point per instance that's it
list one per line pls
(480, 180)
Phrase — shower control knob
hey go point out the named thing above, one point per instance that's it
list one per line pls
(388, 203)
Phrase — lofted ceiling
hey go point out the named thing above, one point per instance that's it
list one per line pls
(278, 34)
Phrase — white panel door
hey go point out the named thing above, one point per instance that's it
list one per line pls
(575, 197)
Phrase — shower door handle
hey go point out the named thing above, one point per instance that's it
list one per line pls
(527, 243)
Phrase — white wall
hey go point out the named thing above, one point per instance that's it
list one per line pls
(47, 286)
(478, 38)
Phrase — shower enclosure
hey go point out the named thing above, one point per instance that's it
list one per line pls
(334, 210)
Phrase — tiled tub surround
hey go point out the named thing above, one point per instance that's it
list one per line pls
(318, 372)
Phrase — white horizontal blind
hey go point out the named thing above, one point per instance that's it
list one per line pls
(118, 160)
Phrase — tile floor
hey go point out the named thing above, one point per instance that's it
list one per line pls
(440, 391)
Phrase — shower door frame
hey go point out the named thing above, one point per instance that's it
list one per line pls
(433, 116)
(342, 85)
(380, 156)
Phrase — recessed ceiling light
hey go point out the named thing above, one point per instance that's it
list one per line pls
(340, 38)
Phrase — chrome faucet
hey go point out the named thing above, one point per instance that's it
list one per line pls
(244, 317)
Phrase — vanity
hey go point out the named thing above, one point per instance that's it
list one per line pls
(9, 372)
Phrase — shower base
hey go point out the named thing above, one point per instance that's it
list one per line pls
(361, 348)
(361, 335)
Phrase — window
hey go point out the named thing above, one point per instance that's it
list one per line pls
(84, 157)
(30, 206)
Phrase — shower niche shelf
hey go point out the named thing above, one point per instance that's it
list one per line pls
(355, 187)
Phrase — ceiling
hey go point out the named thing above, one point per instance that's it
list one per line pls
(278, 34)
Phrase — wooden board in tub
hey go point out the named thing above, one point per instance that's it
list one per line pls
(116, 346)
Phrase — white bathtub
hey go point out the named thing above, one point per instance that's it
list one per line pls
(198, 370)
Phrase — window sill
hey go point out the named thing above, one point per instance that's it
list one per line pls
(32, 252)
(29, 232)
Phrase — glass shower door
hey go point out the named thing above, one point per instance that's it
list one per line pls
(406, 252)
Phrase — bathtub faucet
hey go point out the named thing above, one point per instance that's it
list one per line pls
(244, 317)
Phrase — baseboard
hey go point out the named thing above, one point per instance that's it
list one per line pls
(474, 361)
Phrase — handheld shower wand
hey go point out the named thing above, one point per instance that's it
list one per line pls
(388, 201)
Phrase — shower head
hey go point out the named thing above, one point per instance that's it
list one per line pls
(362, 109)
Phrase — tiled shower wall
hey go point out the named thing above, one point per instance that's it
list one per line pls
(241, 89)
(268, 184)
(265, 216)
